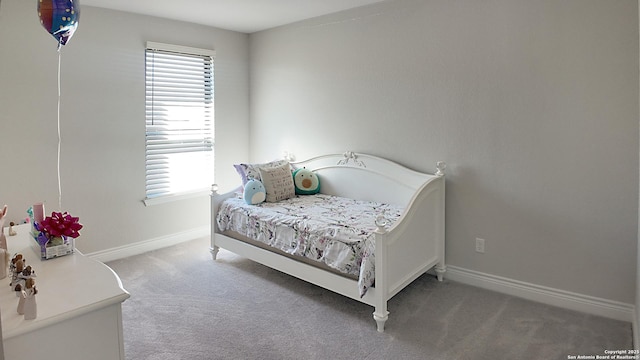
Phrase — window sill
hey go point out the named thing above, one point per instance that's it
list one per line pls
(175, 197)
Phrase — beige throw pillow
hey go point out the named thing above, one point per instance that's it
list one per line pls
(278, 182)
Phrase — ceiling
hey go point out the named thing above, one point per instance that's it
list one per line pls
(245, 16)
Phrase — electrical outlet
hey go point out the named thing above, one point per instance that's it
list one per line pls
(480, 245)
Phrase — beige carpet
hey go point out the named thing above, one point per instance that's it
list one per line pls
(184, 305)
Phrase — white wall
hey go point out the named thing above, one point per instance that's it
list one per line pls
(533, 104)
(102, 120)
(636, 319)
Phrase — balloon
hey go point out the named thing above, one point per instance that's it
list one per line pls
(59, 18)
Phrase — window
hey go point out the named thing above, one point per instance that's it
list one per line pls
(179, 120)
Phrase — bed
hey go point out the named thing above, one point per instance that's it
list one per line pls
(401, 213)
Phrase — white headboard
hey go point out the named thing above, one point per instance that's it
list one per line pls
(367, 177)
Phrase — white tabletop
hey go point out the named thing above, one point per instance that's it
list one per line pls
(68, 286)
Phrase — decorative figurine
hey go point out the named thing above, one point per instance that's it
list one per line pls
(15, 267)
(26, 274)
(3, 217)
(4, 263)
(30, 306)
(20, 308)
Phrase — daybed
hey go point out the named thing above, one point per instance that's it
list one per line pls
(402, 246)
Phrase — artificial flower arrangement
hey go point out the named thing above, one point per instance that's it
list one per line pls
(56, 234)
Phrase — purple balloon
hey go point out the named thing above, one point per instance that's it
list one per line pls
(59, 18)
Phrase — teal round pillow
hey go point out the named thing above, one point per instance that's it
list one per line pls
(254, 192)
(306, 182)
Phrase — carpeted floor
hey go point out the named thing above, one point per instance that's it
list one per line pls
(184, 305)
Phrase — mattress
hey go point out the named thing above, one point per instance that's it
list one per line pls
(325, 229)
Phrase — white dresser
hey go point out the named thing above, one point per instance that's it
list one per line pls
(79, 308)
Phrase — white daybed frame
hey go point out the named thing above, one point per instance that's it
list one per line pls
(403, 252)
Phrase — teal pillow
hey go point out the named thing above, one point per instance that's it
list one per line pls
(254, 192)
(306, 182)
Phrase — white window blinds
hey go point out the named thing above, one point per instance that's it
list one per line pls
(179, 120)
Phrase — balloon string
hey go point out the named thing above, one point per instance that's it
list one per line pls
(59, 138)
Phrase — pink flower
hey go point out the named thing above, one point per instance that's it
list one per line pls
(59, 224)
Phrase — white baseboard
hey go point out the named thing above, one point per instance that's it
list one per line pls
(556, 297)
(140, 247)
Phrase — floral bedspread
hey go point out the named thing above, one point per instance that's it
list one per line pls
(332, 230)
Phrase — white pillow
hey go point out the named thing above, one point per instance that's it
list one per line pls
(252, 171)
(278, 182)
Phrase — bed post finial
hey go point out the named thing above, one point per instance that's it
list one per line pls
(214, 189)
(381, 223)
(441, 166)
(288, 156)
